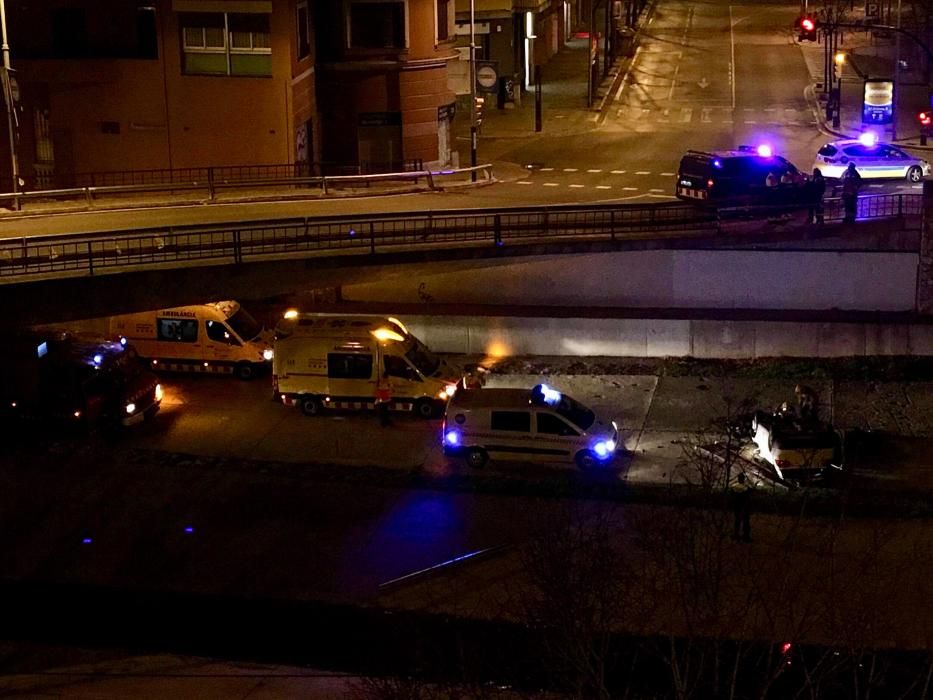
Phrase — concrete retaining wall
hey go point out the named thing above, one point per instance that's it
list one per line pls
(744, 279)
(504, 336)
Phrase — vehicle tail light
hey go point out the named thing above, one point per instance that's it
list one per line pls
(709, 183)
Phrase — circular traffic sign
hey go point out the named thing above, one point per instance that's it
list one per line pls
(486, 76)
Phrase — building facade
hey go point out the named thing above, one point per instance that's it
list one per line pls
(132, 85)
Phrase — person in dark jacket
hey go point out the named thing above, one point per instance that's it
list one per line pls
(851, 182)
(817, 190)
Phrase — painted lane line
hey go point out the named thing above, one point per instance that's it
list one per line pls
(750, 121)
(732, 58)
(656, 190)
(550, 184)
(603, 187)
(546, 170)
(643, 172)
(670, 93)
(630, 189)
(667, 174)
(577, 186)
(524, 182)
(619, 172)
(594, 170)
(570, 170)
(705, 115)
(686, 114)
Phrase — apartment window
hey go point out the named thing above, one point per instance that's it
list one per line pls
(69, 32)
(443, 20)
(377, 25)
(223, 43)
(304, 31)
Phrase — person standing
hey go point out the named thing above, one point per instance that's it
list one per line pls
(851, 181)
(741, 497)
(383, 399)
(817, 190)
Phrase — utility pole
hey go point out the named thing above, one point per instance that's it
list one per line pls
(8, 98)
(473, 129)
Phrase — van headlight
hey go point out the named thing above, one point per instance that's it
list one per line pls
(130, 408)
(158, 392)
(268, 354)
(449, 391)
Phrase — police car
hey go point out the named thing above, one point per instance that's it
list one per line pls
(737, 177)
(873, 160)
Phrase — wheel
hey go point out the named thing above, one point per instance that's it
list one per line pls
(311, 406)
(476, 457)
(586, 460)
(914, 174)
(244, 371)
(426, 408)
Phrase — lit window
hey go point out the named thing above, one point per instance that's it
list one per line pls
(226, 44)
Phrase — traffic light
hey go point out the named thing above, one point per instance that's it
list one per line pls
(478, 105)
(925, 119)
(807, 27)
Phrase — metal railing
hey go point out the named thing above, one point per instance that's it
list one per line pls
(213, 173)
(74, 255)
(212, 184)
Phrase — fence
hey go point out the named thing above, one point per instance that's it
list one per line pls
(91, 254)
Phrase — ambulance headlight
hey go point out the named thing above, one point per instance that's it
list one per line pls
(604, 448)
(267, 354)
(158, 392)
(450, 390)
(130, 408)
(452, 438)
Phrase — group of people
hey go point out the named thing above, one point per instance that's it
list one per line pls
(815, 188)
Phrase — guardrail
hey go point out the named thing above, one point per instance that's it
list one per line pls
(212, 185)
(71, 255)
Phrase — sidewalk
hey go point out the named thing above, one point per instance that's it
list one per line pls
(869, 56)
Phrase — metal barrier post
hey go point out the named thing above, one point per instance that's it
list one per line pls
(497, 229)
(88, 197)
(323, 184)
(900, 204)
(237, 250)
(90, 259)
(210, 183)
(430, 179)
(612, 225)
(372, 238)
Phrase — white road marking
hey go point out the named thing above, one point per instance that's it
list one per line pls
(750, 121)
(732, 59)
(643, 172)
(876, 185)
(629, 189)
(748, 109)
(546, 170)
(524, 182)
(769, 109)
(550, 184)
(619, 172)
(603, 187)
(670, 93)
(577, 186)
(656, 190)
(594, 170)
(667, 174)
(706, 115)
(570, 170)
(686, 114)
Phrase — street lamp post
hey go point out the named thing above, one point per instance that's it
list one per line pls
(897, 70)
(473, 129)
(840, 60)
(8, 98)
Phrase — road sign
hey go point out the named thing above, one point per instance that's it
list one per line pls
(487, 76)
(872, 11)
(878, 102)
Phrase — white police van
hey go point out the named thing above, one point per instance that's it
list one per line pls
(536, 425)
